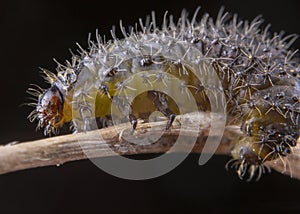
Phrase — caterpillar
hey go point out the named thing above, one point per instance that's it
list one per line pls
(259, 76)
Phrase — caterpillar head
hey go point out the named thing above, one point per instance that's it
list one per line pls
(51, 105)
(49, 110)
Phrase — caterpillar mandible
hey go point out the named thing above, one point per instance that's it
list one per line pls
(259, 74)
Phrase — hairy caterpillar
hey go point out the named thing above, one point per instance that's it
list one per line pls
(259, 75)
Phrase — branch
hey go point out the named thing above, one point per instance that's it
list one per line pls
(290, 165)
(62, 149)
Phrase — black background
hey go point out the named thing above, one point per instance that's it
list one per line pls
(32, 33)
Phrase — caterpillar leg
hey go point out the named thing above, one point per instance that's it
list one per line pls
(133, 121)
(104, 121)
(161, 104)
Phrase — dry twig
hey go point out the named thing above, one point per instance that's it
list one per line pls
(62, 149)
